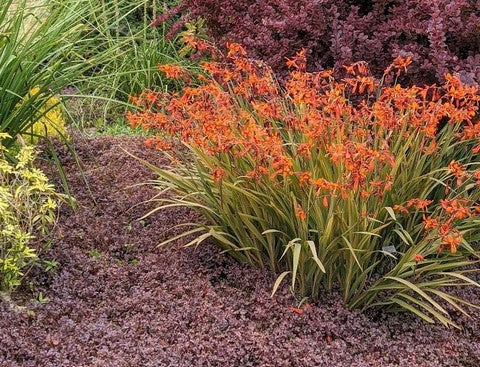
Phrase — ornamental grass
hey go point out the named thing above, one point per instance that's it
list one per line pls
(332, 184)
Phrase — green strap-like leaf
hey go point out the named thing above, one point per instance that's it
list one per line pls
(278, 282)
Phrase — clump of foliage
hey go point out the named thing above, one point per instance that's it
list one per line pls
(335, 183)
(440, 36)
(48, 121)
(41, 45)
(128, 49)
(27, 209)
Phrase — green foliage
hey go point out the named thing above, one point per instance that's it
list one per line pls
(41, 46)
(130, 50)
(27, 210)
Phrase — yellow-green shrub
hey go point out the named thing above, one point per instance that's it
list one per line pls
(27, 208)
(49, 120)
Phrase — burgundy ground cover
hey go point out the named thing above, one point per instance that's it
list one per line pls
(117, 300)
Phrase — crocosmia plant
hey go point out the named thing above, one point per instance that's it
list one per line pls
(333, 184)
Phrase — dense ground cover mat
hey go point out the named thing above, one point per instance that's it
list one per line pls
(118, 301)
(440, 36)
(329, 182)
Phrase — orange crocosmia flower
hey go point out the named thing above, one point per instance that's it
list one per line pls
(151, 97)
(304, 150)
(322, 184)
(366, 84)
(305, 178)
(150, 143)
(235, 50)
(445, 228)
(159, 144)
(452, 240)
(300, 213)
(419, 204)
(350, 69)
(358, 68)
(401, 63)
(431, 148)
(266, 110)
(430, 223)
(218, 174)
(418, 258)
(282, 165)
(400, 208)
(364, 194)
(476, 174)
(456, 207)
(299, 61)
(458, 170)
(336, 152)
(325, 202)
(172, 71)
(163, 145)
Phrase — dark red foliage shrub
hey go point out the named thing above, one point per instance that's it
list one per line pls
(440, 35)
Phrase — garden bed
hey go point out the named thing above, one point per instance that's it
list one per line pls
(118, 300)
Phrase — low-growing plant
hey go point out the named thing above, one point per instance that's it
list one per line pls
(333, 183)
(27, 210)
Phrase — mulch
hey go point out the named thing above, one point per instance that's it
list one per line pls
(118, 300)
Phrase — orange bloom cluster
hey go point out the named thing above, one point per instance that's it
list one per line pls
(172, 71)
(300, 213)
(451, 211)
(241, 116)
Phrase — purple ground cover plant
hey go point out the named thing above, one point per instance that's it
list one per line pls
(189, 307)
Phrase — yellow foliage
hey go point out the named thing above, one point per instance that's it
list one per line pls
(50, 119)
(27, 207)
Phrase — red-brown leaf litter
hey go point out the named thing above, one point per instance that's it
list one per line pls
(117, 300)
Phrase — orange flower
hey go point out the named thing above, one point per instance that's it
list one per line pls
(458, 170)
(322, 184)
(358, 68)
(236, 113)
(300, 213)
(418, 258)
(401, 63)
(299, 62)
(430, 223)
(431, 148)
(419, 204)
(172, 71)
(305, 178)
(400, 208)
(236, 50)
(218, 174)
(304, 150)
(476, 174)
(456, 207)
(452, 240)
